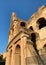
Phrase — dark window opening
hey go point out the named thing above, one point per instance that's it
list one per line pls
(22, 24)
(31, 27)
(18, 46)
(17, 50)
(33, 37)
(41, 22)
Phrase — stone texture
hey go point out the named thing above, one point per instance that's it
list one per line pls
(25, 48)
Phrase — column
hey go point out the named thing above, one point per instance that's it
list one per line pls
(13, 56)
(23, 43)
(8, 58)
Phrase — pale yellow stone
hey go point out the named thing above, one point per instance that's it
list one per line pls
(20, 47)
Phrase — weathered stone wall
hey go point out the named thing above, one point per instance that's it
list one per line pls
(27, 40)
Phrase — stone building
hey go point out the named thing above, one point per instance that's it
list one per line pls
(27, 40)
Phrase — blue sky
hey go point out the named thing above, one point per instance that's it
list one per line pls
(23, 8)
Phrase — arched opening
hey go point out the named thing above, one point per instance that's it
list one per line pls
(17, 55)
(31, 28)
(23, 24)
(44, 47)
(43, 50)
(41, 22)
(17, 49)
(33, 37)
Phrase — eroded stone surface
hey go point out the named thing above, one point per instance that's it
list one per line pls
(27, 40)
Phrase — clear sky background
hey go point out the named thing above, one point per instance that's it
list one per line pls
(23, 8)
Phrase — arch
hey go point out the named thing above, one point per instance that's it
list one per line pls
(43, 50)
(17, 55)
(17, 50)
(41, 22)
(33, 37)
(31, 28)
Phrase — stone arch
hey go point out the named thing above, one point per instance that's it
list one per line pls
(17, 49)
(43, 50)
(41, 22)
(17, 55)
(33, 37)
(31, 28)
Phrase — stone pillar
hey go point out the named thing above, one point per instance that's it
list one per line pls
(8, 58)
(23, 43)
(13, 56)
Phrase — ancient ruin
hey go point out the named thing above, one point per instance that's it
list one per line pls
(27, 40)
